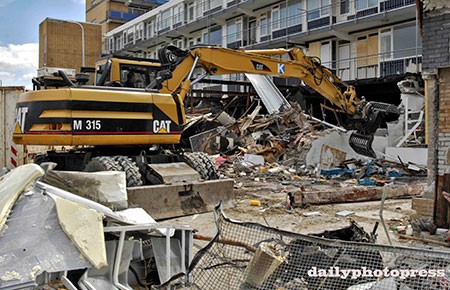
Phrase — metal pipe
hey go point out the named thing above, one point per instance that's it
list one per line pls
(117, 262)
(191, 72)
(167, 256)
(383, 199)
(183, 251)
(325, 123)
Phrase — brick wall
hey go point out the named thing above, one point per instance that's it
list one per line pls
(436, 38)
(62, 42)
(444, 121)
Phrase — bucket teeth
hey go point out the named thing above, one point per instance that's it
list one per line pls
(362, 144)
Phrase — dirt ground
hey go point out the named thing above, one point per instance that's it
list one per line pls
(272, 213)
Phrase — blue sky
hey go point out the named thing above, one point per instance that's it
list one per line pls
(19, 34)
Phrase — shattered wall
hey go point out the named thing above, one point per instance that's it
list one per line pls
(436, 72)
(436, 6)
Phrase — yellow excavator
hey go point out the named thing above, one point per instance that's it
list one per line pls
(107, 120)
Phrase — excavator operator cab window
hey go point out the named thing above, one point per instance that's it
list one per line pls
(100, 69)
(142, 75)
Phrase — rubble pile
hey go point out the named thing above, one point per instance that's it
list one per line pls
(274, 147)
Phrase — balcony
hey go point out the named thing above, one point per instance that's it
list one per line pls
(121, 17)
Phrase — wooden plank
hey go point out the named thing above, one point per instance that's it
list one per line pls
(361, 52)
(372, 49)
(314, 49)
(441, 205)
(356, 193)
(423, 206)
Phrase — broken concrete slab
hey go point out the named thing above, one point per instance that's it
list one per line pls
(340, 142)
(356, 193)
(13, 184)
(181, 198)
(84, 227)
(408, 154)
(107, 188)
(34, 242)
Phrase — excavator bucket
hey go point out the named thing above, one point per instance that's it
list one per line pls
(362, 144)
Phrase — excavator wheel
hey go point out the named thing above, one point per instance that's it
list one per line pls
(41, 158)
(170, 54)
(103, 163)
(134, 177)
(202, 164)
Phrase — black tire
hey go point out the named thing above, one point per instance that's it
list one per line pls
(103, 163)
(202, 164)
(134, 177)
(170, 54)
(41, 158)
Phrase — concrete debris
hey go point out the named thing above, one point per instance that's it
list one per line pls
(345, 213)
(313, 213)
(289, 148)
(76, 233)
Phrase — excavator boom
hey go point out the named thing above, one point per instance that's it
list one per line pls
(287, 63)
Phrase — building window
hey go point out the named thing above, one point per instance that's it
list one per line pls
(139, 31)
(111, 44)
(119, 43)
(149, 30)
(294, 13)
(191, 12)
(318, 9)
(234, 29)
(365, 4)
(405, 41)
(386, 44)
(178, 14)
(275, 19)
(344, 7)
(130, 37)
(214, 37)
(263, 27)
(165, 20)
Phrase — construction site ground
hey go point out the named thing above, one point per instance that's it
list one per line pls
(397, 214)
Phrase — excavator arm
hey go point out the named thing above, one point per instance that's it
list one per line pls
(286, 63)
(365, 117)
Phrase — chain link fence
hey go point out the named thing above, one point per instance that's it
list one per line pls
(252, 256)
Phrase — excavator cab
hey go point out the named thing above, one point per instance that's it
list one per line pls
(113, 70)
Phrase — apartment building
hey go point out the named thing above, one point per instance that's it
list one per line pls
(358, 39)
(111, 14)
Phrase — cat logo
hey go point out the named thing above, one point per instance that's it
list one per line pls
(161, 127)
(21, 113)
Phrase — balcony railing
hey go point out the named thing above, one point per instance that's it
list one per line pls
(377, 65)
(303, 21)
(122, 16)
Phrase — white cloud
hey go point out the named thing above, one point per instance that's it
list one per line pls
(18, 63)
(81, 2)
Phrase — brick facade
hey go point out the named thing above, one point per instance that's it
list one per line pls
(436, 42)
(436, 72)
(60, 44)
(444, 121)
